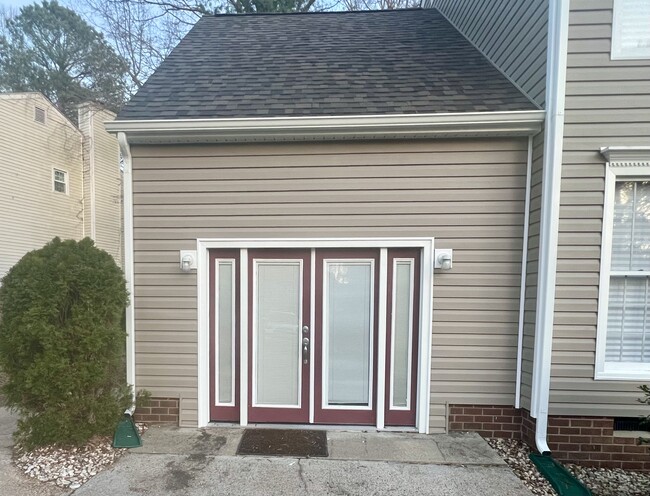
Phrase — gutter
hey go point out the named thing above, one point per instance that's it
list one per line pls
(515, 123)
(556, 63)
(524, 274)
(125, 150)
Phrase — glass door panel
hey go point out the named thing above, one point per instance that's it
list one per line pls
(347, 333)
(279, 317)
(345, 386)
(276, 333)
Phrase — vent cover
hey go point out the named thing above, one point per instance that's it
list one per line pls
(630, 424)
(39, 115)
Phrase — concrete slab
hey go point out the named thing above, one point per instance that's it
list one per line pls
(200, 475)
(12, 481)
(383, 446)
(183, 441)
(466, 448)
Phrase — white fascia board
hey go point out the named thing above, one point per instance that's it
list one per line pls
(516, 123)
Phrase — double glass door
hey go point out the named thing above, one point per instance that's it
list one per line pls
(313, 335)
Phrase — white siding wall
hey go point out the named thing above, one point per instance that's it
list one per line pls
(102, 167)
(511, 33)
(31, 212)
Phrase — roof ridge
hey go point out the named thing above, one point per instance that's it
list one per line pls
(339, 12)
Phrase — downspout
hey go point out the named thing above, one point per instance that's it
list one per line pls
(125, 150)
(524, 264)
(556, 63)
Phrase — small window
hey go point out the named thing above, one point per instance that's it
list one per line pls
(60, 181)
(39, 115)
(631, 29)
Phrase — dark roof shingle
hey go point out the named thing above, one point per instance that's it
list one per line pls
(316, 64)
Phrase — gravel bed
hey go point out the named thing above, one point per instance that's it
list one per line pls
(601, 482)
(70, 467)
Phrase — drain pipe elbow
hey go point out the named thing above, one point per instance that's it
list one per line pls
(541, 430)
(130, 411)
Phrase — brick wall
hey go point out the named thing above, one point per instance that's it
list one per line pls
(488, 421)
(589, 441)
(158, 411)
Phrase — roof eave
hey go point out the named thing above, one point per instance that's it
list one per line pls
(403, 126)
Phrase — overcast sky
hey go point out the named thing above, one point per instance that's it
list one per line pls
(15, 3)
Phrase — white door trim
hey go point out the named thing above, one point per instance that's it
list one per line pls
(203, 366)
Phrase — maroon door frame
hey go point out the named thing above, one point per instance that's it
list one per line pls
(223, 413)
(270, 414)
(322, 416)
(402, 417)
(342, 416)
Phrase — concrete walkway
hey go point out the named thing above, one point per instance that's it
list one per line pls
(203, 462)
(197, 462)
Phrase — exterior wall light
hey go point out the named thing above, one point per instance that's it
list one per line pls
(188, 260)
(443, 259)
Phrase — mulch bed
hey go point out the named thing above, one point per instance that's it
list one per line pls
(601, 482)
(283, 442)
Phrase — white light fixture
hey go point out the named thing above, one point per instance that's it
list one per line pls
(443, 259)
(188, 260)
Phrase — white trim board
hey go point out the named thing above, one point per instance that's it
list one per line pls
(514, 123)
(244, 244)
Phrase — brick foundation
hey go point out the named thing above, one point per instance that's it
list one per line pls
(589, 441)
(158, 411)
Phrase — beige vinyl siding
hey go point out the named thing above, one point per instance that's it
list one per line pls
(468, 194)
(607, 103)
(108, 186)
(511, 33)
(32, 212)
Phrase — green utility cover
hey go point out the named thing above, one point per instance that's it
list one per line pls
(560, 478)
(126, 434)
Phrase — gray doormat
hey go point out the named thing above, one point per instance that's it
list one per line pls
(283, 442)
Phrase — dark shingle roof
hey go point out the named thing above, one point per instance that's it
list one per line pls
(344, 63)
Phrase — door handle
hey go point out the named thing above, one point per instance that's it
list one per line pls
(305, 350)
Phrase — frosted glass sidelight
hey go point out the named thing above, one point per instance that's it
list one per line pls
(277, 333)
(225, 330)
(401, 333)
(348, 333)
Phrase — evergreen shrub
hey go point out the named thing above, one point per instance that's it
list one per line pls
(62, 343)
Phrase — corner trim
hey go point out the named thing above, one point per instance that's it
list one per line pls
(125, 150)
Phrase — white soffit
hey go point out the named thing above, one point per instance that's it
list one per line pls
(468, 124)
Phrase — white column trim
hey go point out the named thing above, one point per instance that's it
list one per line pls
(381, 339)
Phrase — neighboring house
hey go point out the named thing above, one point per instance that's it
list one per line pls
(367, 218)
(60, 180)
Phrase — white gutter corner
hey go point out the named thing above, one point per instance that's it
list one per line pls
(556, 63)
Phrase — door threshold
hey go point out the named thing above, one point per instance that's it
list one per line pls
(317, 427)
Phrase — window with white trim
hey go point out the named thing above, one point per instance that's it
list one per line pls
(60, 181)
(623, 347)
(631, 29)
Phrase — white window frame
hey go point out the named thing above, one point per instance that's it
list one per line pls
(617, 52)
(66, 181)
(623, 163)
